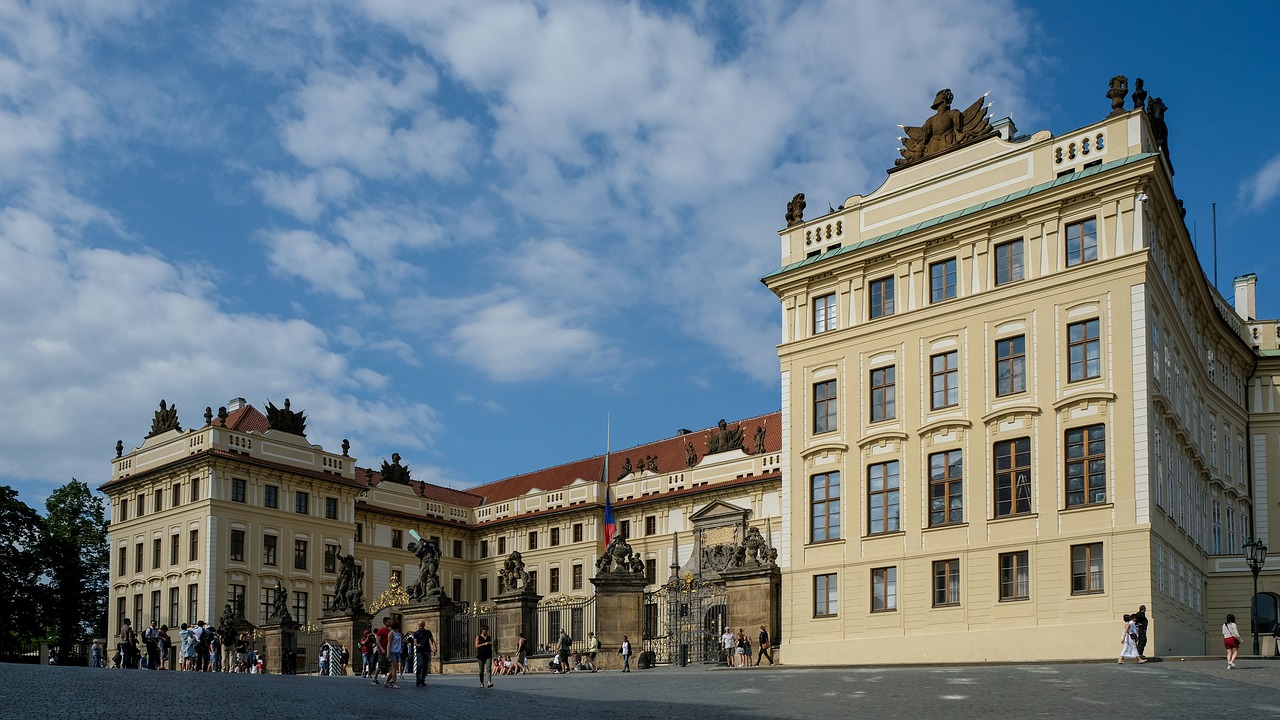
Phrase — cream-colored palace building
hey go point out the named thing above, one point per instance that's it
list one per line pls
(1014, 409)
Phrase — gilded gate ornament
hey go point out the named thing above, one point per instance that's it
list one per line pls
(944, 130)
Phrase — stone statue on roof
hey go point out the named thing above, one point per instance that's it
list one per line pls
(286, 420)
(166, 419)
(760, 440)
(690, 454)
(725, 438)
(795, 210)
(651, 463)
(945, 129)
(394, 471)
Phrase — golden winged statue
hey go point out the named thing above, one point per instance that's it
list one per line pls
(945, 129)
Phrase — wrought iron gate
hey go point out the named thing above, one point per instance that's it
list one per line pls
(683, 621)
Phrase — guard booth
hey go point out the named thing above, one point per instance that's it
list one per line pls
(1266, 619)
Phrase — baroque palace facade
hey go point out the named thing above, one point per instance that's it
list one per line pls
(245, 507)
(1013, 407)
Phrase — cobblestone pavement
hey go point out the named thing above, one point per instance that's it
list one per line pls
(1176, 689)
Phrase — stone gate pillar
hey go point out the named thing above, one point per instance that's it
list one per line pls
(345, 628)
(754, 599)
(619, 611)
(436, 613)
(280, 640)
(516, 611)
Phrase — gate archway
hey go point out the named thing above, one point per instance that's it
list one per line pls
(683, 620)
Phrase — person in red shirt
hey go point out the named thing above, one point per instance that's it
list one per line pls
(384, 646)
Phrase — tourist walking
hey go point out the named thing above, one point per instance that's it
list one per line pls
(1140, 619)
(366, 652)
(522, 653)
(151, 640)
(166, 643)
(765, 647)
(625, 650)
(593, 649)
(382, 639)
(484, 655)
(1231, 639)
(424, 644)
(96, 654)
(128, 644)
(1129, 641)
(729, 642)
(743, 648)
(562, 650)
(395, 649)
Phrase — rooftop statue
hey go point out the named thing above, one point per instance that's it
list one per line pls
(166, 419)
(395, 472)
(286, 420)
(946, 129)
(725, 438)
(795, 210)
(1117, 92)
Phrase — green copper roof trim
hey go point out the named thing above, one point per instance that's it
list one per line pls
(1065, 179)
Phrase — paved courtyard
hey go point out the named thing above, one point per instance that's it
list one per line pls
(1177, 689)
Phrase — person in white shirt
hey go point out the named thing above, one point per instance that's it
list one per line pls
(729, 642)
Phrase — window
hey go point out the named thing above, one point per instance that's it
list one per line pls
(1084, 351)
(159, 502)
(301, 503)
(175, 542)
(266, 602)
(884, 589)
(194, 553)
(946, 488)
(269, 549)
(457, 589)
(141, 507)
(299, 554)
(881, 297)
(457, 548)
(533, 580)
(155, 553)
(1082, 242)
(826, 594)
(502, 546)
(124, 509)
(577, 532)
(824, 407)
(1086, 465)
(882, 498)
(1011, 365)
(942, 280)
(175, 598)
(944, 376)
(484, 548)
(883, 394)
(300, 607)
(331, 508)
(554, 580)
(1015, 577)
(122, 567)
(650, 525)
(824, 501)
(484, 589)
(577, 576)
(397, 538)
(555, 536)
(1086, 569)
(137, 557)
(193, 603)
(359, 532)
(271, 496)
(237, 490)
(236, 596)
(1008, 262)
(651, 570)
(1013, 477)
(330, 558)
(533, 539)
(137, 609)
(624, 528)
(824, 313)
(946, 583)
(237, 545)
(195, 489)
(176, 494)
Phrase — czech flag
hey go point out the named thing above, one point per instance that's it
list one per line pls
(610, 525)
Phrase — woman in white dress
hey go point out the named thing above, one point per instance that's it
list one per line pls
(1129, 642)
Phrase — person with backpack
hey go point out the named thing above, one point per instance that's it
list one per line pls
(566, 643)
(151, 640)
(202, 646)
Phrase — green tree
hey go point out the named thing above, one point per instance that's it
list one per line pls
(75, 547)
(21, 567)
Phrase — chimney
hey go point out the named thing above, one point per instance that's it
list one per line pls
(235, 404)
(1247, 296)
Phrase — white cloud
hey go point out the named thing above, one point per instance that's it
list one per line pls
(329, 268)
(511, 341)
(1258, 191)
(306, 197)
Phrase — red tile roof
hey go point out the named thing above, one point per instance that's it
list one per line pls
(246, 419)
(372, 478)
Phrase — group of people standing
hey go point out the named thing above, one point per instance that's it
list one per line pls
(737, 648)
(388, 651)
(200, 648)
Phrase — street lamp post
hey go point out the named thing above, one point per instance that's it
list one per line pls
(1255, 556)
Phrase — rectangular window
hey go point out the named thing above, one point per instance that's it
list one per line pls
(1011, 365)
(331, 508)
(123, 567)
(553, 580)
(238, 490)
(533, 580)
(944, 375)
(457, 589)
(175, 599)
(269, 549)
(271, 496)
(946, 583)
(826, 594)
(884, 589)
(1086, 465)
(484, 548)
(193, 603)
(457, 548)
(176, 495)
(195, 489)
(824, 313)
(175, 543)
(577, 532)
(155, 553)
(1008, 262)
(236, 596)
(359, 532)
(194, 553)
(300, 607)
(824, 407)
(237, 545)
(484, 589)
(301, 503)
(533, 539)
(1086, 569)
(1013, 477)
(942, 280)
(159, 501)
(137, 557)
(883, 394)
(824, 502)
(1084, 351)
(124, 509)
(651, 570)
(330, 558)
(650, 525)
(266, 603)
(946, 488)
(624, 528)
(1015, 577)
(142, 505)
(299, 554)
(502, 546)
(577, 576)
(1082, 242)
(881, 297)
(555, 536)
(882, 498)
(397, 538)
(137, 610)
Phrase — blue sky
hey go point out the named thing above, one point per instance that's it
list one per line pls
(468, 232)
